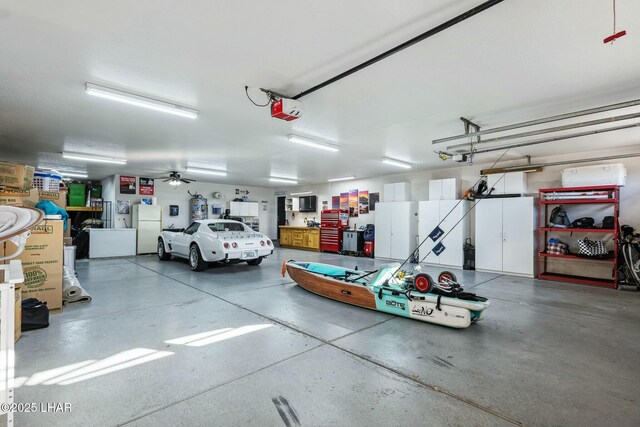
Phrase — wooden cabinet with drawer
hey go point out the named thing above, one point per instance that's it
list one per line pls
(300, 237)
(285, 237)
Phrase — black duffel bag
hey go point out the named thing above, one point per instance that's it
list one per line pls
(35, 314)
(586, 222)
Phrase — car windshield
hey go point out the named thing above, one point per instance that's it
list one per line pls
(225, 226)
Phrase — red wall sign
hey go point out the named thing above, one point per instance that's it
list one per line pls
(127, 184)
(146, 186)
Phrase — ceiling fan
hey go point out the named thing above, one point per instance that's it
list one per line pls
(174, 179)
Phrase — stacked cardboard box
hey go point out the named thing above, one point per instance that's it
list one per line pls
(18, 177)
(57, 197)
(42, 262)
(27, 198)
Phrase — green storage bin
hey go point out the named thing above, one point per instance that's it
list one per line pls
(96, 191)
(77, 200)
(77, 189)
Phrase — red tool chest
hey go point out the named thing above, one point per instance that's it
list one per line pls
(332, 222)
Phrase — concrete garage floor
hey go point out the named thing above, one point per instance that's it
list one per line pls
(240, 345)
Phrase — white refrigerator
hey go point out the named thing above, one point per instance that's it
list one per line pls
(148, 220)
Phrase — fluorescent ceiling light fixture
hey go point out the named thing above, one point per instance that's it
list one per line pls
(283, 180)
(74, 175)
(344, 178)
(312, 143)
(206, 171)
(301, 193)
(92, 158)
(395, 162)
(140, 101)
(63, 172)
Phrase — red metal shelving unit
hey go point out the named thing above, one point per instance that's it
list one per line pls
(613, 198)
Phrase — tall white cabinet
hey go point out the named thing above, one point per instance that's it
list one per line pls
(505, 235)
(396, 229)
(451, 211)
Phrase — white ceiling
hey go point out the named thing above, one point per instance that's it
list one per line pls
(516, 61)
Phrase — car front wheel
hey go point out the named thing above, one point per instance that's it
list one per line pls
(162, 254)
(195, 259)
(256, 261)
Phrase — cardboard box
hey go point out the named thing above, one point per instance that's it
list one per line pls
(19, 177)
(68, 241)
(57, 197)
(27, 198)
(42, 262)
(67, 232)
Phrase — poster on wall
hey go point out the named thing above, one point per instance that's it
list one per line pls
(363, 202)
(344, 201)
(373, 199)
(127, 184)
(353, 203)
(335, 202)
(123, 207)
(146, 186)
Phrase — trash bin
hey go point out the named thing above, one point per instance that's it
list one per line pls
(70, 257)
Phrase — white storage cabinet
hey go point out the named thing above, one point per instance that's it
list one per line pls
(396, 192)
(430, 213)
(444, 189)
(243, 209)
(505, 235)
(512, 183)
(396, 229)
(292, 204)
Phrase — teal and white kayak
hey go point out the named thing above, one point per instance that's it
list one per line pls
(414, 295)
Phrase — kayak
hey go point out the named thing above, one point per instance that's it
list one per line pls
(388, 289)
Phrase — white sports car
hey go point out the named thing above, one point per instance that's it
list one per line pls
(210, 240)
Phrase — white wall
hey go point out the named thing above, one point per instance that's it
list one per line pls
(177, 195)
